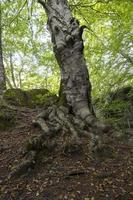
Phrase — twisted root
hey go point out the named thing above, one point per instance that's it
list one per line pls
(60, 131)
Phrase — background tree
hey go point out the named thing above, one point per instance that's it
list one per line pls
(2, 71)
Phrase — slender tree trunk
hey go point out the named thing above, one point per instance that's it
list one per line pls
(9, 83)
(66, 35)
(2, 71)
(20, 79)
(12, 71)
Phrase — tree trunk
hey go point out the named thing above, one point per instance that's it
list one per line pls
(2, 71)
(12, 70)
(66, 34)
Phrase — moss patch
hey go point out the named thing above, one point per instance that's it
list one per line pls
(7, 117)
(117, 109)
(30, 98)
(19, 98)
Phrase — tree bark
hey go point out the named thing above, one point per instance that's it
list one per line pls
(12, 70)
(2, 71)
(66, 34)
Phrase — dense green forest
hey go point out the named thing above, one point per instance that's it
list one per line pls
(28, 55)
(27, 49)
(66, 99)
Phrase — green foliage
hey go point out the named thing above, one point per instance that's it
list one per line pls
(117, 108)
(108, 42)
(107, 38)
(24, 36)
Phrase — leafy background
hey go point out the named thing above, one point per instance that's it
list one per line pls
(108, 39)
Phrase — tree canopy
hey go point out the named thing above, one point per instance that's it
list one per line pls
(27, 48)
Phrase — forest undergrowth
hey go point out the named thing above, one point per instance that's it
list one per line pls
(62, 169)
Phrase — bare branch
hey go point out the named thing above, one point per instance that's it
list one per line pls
(18, 13)
(43, 3)
(127, 57)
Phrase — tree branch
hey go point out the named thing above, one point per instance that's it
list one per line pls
(19, 11)
(127, 57)
(42, 2)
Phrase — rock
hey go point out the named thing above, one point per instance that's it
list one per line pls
(29, 98)
(7, 117)
(117, 109)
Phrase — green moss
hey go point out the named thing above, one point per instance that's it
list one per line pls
(30, 98)
(117, 108)
(62, 96)
(39, 97)
(15, 97)
(62, 100)
(7, 118)
(2, 86)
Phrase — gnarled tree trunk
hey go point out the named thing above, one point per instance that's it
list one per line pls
(66, 34)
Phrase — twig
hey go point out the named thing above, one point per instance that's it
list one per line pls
(18, 13)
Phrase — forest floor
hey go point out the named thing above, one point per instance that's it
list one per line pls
(60, 176)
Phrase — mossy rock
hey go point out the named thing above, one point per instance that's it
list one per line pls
(15, 97)
(30, 98)
(40, 97)
(117, 108)
(7, 117)
(123, 94)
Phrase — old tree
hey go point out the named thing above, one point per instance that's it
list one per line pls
(66, 35)
(75, 86)
(66, 123)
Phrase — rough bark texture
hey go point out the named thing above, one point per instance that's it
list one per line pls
(2, 72)
(66, 34)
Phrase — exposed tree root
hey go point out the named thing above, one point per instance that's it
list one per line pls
(26, 164)
(60, 132)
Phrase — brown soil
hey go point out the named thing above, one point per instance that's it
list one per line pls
(60, 176)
